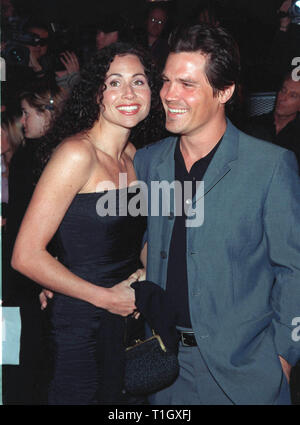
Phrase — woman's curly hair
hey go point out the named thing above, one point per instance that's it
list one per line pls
(82, 108)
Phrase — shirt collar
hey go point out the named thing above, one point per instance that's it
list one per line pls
(179, 158)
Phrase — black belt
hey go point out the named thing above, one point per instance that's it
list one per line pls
(187, 339)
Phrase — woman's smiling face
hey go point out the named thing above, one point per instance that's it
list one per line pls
(127, 96)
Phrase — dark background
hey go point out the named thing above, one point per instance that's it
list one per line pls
(252, 22)
(86, 10)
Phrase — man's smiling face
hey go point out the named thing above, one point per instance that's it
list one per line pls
(187, 96)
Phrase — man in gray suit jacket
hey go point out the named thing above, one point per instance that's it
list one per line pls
(232, 275)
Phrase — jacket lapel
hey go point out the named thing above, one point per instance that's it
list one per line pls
(165, 170)
(220, 165)
(222, 160)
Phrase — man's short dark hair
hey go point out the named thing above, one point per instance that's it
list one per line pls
(223, 59)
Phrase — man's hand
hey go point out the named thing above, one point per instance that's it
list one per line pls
(285, 6)
(286, 367)
(139, 274)
(285, 21)
(69, 59)
(44, 295)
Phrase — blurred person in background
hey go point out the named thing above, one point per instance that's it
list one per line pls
(101, 33)
(282, 125)
(40, 105)
(106, 34)
(37, 51)
(7, 9)
(206, 12)
(110, 28)
(64, 66)
(34, 51)
(11, 138)
(285, 45)
(154, 34)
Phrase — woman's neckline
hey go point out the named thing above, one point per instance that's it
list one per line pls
(105, 191)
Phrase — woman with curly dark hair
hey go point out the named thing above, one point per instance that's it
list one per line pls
(92, 158)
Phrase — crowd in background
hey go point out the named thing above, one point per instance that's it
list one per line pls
(43, 62)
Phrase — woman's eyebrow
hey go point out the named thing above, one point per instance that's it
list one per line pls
(120, 75)
(117, 75)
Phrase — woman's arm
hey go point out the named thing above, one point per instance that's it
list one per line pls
(139, 275)
(66, 174)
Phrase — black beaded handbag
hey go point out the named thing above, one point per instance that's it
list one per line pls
(149, 366)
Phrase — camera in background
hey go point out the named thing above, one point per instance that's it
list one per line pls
(294, 12)
(19, 40)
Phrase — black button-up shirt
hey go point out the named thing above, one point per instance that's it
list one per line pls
(177, 282)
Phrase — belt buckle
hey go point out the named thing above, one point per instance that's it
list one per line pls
(183, 337)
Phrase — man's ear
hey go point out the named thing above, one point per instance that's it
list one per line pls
(225, 95)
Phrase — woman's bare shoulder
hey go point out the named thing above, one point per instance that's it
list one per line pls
(75, 149)
(70, 167)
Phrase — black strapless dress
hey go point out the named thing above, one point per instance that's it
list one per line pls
(88, 342)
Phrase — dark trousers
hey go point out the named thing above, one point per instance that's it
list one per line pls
(295, 384)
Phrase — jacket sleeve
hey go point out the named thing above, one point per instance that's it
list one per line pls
(282, 229)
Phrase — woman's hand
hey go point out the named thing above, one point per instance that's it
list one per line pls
(121, 298)
(44, 295)
(140, 275)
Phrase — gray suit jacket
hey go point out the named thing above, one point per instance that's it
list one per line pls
(243, 262)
